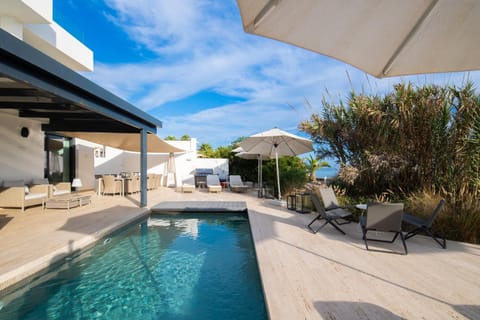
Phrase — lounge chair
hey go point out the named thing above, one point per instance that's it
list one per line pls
(330, 199)
(423, 226)
(330, 216)
(213, 183)
(186, 185)
(383, 217)
(237, 185)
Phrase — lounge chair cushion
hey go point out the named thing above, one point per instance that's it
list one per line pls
(188, 188)
(237, 185)
(213, 183)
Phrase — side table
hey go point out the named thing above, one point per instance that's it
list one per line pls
(67, 202)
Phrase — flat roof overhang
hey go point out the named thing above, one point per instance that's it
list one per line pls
(40, 87)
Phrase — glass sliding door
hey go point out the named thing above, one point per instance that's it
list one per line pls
(59, 158)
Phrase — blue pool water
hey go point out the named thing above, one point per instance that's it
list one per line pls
(172, 267)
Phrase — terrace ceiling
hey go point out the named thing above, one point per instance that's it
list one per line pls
(39, 87)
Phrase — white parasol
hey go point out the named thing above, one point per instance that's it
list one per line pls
(275, 143)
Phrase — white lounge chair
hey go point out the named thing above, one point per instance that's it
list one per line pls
(213, 183)
(186, 185)
(237, 185)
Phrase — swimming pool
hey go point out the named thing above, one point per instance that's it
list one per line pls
(200, 266)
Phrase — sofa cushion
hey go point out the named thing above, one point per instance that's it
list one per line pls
(32, 196)
(13, 183)
(59, 192)
(40, 181)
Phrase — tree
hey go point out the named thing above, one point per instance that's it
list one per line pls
(206, 150)
(293, 174)
(170, 138)
(411, 139)
(185, 137)
(313, 164)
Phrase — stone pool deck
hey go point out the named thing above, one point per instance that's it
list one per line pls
(305, 276)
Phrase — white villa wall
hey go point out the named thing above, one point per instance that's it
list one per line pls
(32, 22)
(84, 166)
(12, 26)
(60, 45)
(21, 158)
(117, 161)
(219, 166)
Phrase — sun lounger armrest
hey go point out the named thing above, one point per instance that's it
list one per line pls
(11, 196)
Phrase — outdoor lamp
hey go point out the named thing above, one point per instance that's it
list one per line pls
(291, 202)
(303, 202)
(77, 183)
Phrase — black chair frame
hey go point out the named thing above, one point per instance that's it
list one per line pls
(330, 216)
(425, 226)
(399, 233)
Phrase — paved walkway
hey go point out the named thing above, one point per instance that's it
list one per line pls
(305, 276)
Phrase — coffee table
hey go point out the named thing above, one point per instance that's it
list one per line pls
(67, 202)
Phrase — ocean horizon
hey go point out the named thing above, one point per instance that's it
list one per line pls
(329, 172)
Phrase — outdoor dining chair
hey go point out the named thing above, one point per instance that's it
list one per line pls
(424, 226)
(111, 185)
(385, 218)
(331, 217)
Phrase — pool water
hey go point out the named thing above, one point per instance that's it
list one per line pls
(170, 267)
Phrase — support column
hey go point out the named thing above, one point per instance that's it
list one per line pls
(143, 168)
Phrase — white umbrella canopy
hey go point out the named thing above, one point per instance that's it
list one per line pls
(381, 37)
(275, 143)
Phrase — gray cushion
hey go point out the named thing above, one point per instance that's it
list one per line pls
(40, 181)
(13, 183)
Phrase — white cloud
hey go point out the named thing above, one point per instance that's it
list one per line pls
(200, 46)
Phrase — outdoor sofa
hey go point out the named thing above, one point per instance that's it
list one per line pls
(14, 194)
(54, 190)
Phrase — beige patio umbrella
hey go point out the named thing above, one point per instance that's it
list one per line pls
(381, 37)
(275, 143)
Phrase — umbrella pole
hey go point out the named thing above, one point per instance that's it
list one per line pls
(261, 176)
(278, 174)
(258, 176)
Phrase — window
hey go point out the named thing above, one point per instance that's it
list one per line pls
(100, 152)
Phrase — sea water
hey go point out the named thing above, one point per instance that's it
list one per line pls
(329, 172)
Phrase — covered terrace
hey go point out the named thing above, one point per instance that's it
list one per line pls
(35, 86)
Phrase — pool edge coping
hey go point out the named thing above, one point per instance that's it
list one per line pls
(14, 279)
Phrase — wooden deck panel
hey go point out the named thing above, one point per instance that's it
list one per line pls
(305, 276)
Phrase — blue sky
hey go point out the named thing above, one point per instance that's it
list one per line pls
(190, 64)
